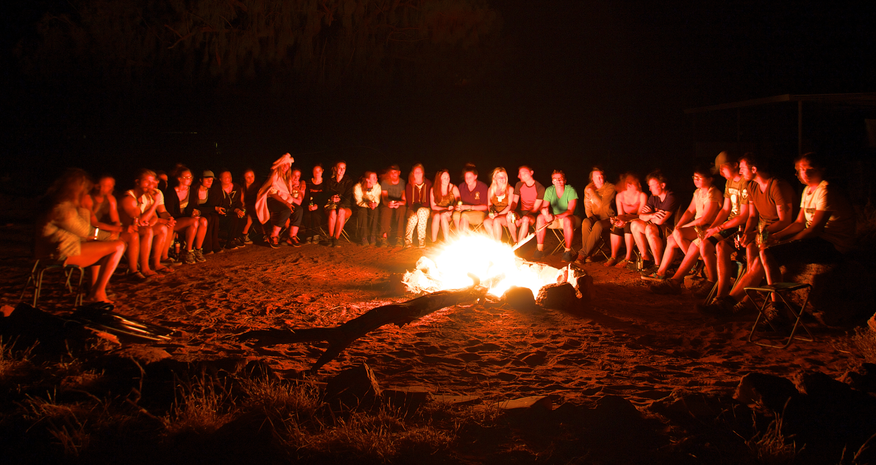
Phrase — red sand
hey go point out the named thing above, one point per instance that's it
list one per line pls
(633, 343)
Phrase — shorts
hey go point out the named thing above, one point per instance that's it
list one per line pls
(558, 224)
(721, 235)
(627, 229)
(474, 217)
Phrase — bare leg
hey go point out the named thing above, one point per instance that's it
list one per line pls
(628, 242)
(539, 236)
(725, 267)
(569, 231)
(710, 260)
(652, 233)
(512, 230)
(525, 223)
(202, 232)
(615, 245)
(133, 252)
(639, 232)
(146, 236)
(159, 243)
(343, 213)
(667, 256)
(692, 254)
(445, 224)
(106, 255)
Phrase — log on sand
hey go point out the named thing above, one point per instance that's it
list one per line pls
(342, 336)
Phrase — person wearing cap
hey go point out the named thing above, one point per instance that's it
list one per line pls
(275, 202)
(207, 199)
(392, 206)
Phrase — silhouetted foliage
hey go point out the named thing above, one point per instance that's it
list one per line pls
(283, 45)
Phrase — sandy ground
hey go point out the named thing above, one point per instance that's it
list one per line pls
(632, 343)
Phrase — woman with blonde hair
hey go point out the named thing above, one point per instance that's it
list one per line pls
(443, 198)
(64, 233)
(279, 198)
(501, 214)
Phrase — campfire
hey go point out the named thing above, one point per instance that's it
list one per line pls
(492, 262)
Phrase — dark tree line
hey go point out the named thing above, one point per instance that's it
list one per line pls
(283, 45)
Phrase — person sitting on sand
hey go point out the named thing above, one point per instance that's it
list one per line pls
(138, 208)
(417, 205)
(822, 233)
(529, 197)
(599, 208)
(251, 225)
(276, 201)
(443, 198)
(501, 213)
(392, 206)
(689, 236)
(189, 222)
(629, 202)
(769, 211)
(231, 210)
(473, 200)
(366, 194)
(105, 216)
(716, 251)
(63, 233)
(558, 211)
(340, 191)
(651, 226)
(314, 200)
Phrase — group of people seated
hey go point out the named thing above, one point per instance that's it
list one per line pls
(166, 220)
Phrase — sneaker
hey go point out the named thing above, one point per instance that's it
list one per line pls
(408, 245)
(653, 277)
(740, 307)
(610, 262)
(294, 241)
(703, 289)
(308, 240)
(246, 239)
(538, 255)
(274, 242)
(335, 242)
(230, 245)
(719, 306)
(189, 258)
(568, 256)
(381, 242)
(399, 242)
(316, 239)
(666, 287)
(364, 242)
(199, 255)
(772, 317)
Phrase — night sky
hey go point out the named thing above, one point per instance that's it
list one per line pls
(561, 85)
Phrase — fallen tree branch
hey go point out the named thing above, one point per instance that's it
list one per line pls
(340, 337)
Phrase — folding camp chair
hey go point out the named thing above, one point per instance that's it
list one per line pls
(781, 290)
(39, 270)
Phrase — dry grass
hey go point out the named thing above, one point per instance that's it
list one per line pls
(865, 341)
(201, 405)
(772, 447)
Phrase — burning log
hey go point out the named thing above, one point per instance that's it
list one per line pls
(340, 337)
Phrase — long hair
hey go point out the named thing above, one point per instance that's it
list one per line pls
(67, 188)
(411, 174)
(494, 186)
(626, 179)
(436, 186)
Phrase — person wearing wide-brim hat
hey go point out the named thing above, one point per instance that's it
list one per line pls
(276, 203)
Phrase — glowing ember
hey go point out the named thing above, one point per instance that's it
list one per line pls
(485, 258)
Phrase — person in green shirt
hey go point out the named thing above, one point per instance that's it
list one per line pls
(558, 211)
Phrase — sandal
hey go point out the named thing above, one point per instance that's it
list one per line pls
(165, 270)
(138, 276)
(623, 263)
(611, 262)
(653, 277)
